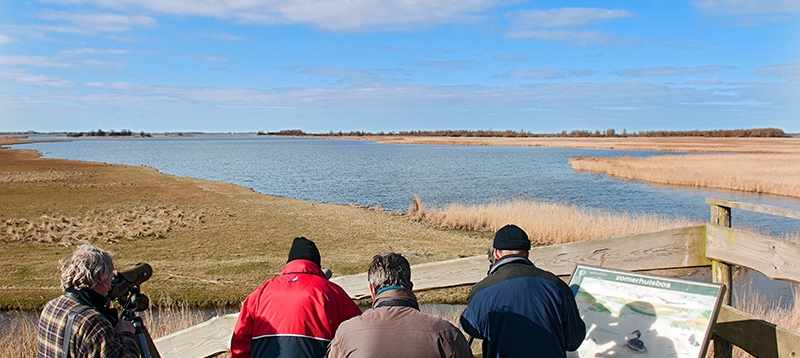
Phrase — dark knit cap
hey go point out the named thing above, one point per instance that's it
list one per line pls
(305, 249)
(511, 237)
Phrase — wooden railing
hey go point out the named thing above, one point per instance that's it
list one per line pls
(714, 244)
(776, 259)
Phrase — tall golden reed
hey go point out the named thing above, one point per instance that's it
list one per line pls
(18, 331)
(772, 173)
(18, 334)
(548, 223)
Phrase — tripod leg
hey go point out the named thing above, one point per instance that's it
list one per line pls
(151, 346)
(144, 350)
(147, 348)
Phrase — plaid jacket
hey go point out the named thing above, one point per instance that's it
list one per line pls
(92, 333)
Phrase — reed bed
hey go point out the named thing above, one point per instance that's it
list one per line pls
(752, 302)
(18, 328)
(18, 334)
(545, 223)
(757, 173)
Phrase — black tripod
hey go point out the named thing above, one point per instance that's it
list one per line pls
(136, 302)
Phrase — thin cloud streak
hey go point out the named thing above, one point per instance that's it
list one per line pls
(569, 17)
(337, 15)
(663, 71)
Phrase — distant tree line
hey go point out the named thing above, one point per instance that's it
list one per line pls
(112, 133)
(286, 132)
(756, 132)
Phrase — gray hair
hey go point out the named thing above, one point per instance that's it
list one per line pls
(389, 269)
(86, 268)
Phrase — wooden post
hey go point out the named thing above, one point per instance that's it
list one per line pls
(721, 215)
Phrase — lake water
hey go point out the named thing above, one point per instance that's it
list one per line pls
(362, 172)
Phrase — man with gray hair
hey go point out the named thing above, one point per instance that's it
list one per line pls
(395, 327)
(79, 323)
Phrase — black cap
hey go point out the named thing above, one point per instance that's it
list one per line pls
(305, 249)
(511, 237)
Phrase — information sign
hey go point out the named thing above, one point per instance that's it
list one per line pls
(633, 315)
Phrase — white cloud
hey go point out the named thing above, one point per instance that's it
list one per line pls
(32, 79)
(100, 22)
(32, 61)
(661, 71)
(93, 51)
(540, 107)
(342, 15)
(747, 7)
(563, 25)
(510, 57)
(790, 71)
(5, 40)
(708, 82)
(547, 73)
(569, 17)
(579, 38)
(542, 73)
(100, 63)
(446, 64)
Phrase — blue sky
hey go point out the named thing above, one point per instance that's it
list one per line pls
(394, 65)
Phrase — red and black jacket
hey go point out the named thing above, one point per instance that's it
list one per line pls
(293, 315)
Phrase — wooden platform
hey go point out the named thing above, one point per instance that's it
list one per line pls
(666, 249)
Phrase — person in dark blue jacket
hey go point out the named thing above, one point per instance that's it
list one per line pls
(520, 310)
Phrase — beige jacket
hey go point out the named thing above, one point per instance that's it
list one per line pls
(392, 329)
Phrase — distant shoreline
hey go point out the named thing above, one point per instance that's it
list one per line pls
(668, 144)
(749, 164)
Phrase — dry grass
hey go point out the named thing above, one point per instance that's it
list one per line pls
(758, 173)
(18, 329)
(18, 334)
(209, 243)
(754, 303)
(547, 223)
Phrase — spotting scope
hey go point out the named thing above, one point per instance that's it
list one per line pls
(126, 279)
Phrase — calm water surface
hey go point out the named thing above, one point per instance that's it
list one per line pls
(362, 172)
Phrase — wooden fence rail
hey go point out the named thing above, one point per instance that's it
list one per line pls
(714, 244)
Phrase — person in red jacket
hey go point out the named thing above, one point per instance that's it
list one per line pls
(295, 314)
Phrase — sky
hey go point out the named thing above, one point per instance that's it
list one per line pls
(398, 65)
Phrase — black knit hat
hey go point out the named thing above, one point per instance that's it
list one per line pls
(305, 249)
(511, 237)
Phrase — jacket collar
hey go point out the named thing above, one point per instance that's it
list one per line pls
(302, 266)
(389, 298)
(91, 298)
(507, 260)
(88, 297)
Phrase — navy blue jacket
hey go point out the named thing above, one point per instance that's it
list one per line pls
(520, 310)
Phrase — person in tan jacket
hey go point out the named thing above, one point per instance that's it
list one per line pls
(395, 327)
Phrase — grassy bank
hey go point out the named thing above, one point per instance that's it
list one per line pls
(209, 243)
